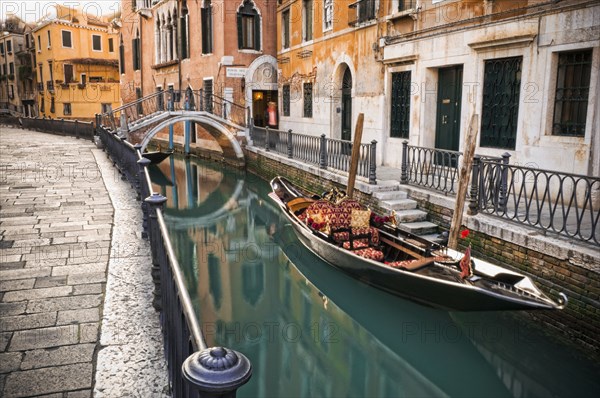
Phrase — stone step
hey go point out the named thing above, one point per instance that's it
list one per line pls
(435, 237)
(399, 204)
(419, 228)
(407, 216)
(387, 195)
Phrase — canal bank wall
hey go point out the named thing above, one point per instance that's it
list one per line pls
(557, 264)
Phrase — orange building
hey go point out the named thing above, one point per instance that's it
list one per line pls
(77, 65)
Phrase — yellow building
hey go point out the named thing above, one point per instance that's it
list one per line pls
(77, 65)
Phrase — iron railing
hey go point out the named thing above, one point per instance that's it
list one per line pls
(432, 168)
(73, 128)
(194, 369)
(173, 100)
(563, 203)
(327, 153)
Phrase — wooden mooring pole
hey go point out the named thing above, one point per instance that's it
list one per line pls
(463, 181)
(355, 154)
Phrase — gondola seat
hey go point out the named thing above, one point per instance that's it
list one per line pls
(370, 253)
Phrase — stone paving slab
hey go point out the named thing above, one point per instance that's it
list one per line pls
(70, 236)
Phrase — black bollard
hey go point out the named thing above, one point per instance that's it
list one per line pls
(217, 372)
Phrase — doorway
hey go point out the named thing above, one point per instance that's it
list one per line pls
(347, 110)
(260, 102)
(447, 132)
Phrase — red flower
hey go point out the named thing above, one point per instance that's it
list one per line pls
(464, 233)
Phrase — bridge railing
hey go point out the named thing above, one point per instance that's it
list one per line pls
(194, 369)
(327, 153)
(173, 100)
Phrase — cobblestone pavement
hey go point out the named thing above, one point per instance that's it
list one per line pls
(75, 285)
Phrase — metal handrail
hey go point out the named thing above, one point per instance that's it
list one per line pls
(188, 308)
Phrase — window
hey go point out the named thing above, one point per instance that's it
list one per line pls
(9, 46)
(184, 31)
(206, 17)
(404, 5)
(105, 108)
(4, 69)
(11, 68)
(400, 112)
(121, 56)
(96, 42)
(39, 44)
(42, 105)
(41, 68)
(208, 95)
(572, 92)
(308, 96)
(365, 11)
(83, 79)
(327, 14)
(67, 39)
(111, 45)
(286, 100)
(68, 69)
(285, 29)
(135, 45)
(307, 18)
(2, 49)
(501, 87)
(49, 39)
(11, 92)
(50, 63)
(66, 109)
(248, 22)
(52, 110)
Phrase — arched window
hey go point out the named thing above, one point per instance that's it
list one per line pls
(121, 55)
(157, 42)
(174, 36)
(206, 16)
(185, 33)
(248, 23)
(136, 47)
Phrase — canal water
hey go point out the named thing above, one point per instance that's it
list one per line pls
(312, 331)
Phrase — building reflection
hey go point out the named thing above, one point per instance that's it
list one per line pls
(308, 329)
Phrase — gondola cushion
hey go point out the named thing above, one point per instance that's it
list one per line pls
(370, 253)
(356, 244)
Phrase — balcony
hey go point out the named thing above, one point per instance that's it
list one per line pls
(361, 12)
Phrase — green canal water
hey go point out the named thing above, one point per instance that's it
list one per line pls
(312, 331)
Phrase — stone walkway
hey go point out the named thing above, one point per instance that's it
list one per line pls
(75, 285)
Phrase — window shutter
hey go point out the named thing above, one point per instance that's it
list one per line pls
(257, 33)
(133, 53)
(122, 57)
(240, 33)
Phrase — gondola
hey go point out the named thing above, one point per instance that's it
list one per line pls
(156, 157)
(387, 258)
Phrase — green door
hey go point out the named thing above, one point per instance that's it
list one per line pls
(447, 133)
(347, 110)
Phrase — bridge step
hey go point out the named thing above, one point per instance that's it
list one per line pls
(399, 204)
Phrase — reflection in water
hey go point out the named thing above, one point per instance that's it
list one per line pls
(310, 330)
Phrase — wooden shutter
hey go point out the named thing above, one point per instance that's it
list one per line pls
(256, 32)
(240, 33)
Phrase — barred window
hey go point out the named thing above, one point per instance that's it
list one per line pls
(400, 112)
(286, 100)
(308, 99)
(501, 89)
(572, 92)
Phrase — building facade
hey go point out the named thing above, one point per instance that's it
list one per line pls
(419, 70)
(76, 65)
(17, 93)
(225, 48)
